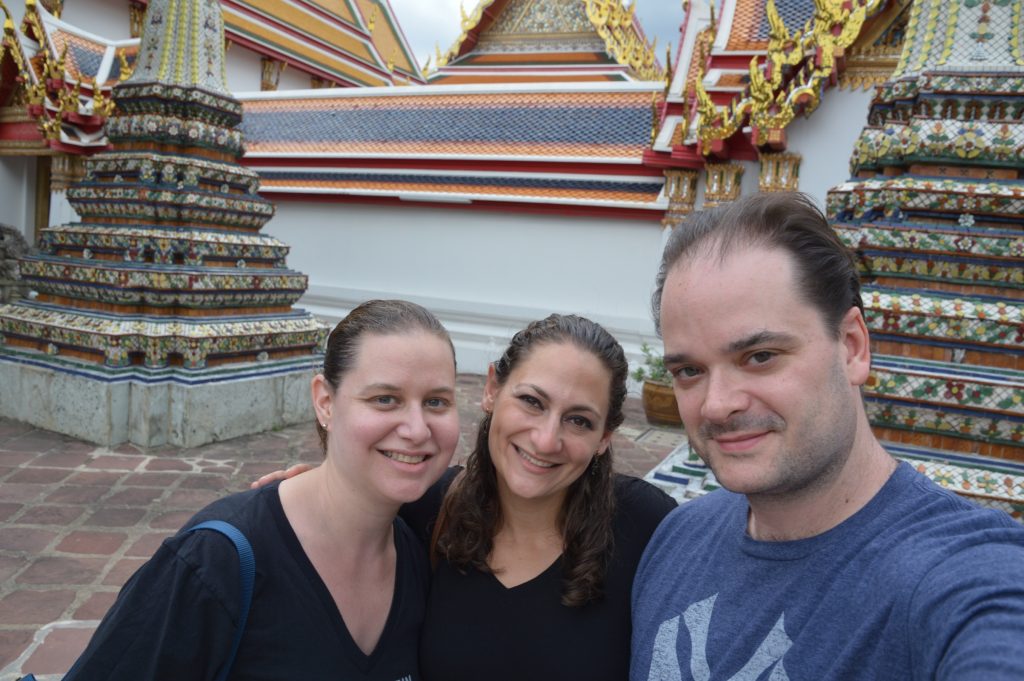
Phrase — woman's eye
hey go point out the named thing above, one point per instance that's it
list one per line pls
(581, 422)
(384, 400)
(530, 401)
(437, 403)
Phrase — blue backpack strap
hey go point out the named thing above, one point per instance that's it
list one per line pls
(247, 568)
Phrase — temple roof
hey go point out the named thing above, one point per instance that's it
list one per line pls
(548, 41)
(742, 78)
(348, 42)
(66, 74)
(564, 144)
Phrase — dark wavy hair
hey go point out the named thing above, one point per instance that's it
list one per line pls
(826, 270)
(471, 512)
(377, 317)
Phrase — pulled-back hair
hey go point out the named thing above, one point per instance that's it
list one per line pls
(471, 513)
(374, 317)
(826, 271)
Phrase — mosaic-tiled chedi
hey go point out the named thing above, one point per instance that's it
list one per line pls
(167, 267)
(935, 213)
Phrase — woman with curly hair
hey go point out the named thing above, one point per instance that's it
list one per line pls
(537, 540)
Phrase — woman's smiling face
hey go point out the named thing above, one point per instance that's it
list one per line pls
(393, 421)
(547, 420)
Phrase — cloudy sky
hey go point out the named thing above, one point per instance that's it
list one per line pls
(426, 22)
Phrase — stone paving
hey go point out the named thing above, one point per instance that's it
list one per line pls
(76, 519)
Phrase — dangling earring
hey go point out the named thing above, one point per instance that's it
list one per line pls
(593, 464)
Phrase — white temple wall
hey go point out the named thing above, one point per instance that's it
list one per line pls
(294, 79)
(485, 274)
(826, 139)
(61, 212)
(17, 192)
(243, 69)
(105, 18)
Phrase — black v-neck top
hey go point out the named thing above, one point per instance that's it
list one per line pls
(175, 618)
(477, 628)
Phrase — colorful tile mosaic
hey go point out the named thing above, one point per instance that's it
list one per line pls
(933, 238)
(167, 266)
(932, 316)
(937, 205)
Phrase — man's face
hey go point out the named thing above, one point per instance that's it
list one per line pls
(767, 394)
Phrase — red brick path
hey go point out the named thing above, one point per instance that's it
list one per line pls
(76, 519)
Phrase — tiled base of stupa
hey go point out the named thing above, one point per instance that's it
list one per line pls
(987, 482)
(153, 407)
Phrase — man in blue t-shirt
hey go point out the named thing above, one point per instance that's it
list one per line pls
(823, 558)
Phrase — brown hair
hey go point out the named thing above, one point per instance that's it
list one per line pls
(826, 270)
(471, 513)
(377, 317)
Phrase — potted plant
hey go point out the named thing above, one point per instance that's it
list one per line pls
(658, 399)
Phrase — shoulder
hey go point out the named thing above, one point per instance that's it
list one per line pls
(715, 512)
(421, 514)
(639, 508)
(257, 514)
(636, 496)
(934, 520)
(931, 540)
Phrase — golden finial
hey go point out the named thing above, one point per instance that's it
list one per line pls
(425, 70)
(654, 117)
(711, 5)
(126, 69)
(391, 60)
(668, 69)
(372, 21)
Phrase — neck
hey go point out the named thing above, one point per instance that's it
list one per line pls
(525, 518)
(819, 508)
(325, 509)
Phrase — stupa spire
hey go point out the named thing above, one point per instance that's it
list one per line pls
(182, 44)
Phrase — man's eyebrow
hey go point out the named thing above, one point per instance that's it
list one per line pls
(760, 338)
(753, 340)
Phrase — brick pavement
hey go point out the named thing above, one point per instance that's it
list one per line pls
(77, 519)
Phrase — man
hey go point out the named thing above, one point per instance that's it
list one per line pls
(825, 559)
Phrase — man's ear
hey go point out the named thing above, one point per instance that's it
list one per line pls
(853, 334)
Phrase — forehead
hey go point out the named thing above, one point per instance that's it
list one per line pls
(564, 369)
(413, 350)
(748, 290)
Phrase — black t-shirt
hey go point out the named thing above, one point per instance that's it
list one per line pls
(476, 628)
(176, 617)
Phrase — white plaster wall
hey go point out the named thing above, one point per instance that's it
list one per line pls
(293, 79)
(244, 72)
(105, 18)
(485, 274)
(826, 139)
(61, 212)
(17, 192)
(243, 69)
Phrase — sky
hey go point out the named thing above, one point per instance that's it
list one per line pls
(427, 22)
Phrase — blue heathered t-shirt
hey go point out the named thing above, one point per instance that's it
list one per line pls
(919, 584)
